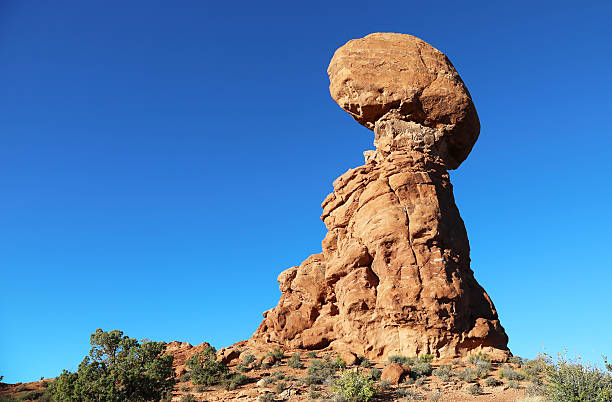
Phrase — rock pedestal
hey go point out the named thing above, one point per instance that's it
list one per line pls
(394, 274)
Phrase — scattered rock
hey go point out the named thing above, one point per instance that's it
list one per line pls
(287, 394)
(394, 373)
(269, 360)
(349, 358)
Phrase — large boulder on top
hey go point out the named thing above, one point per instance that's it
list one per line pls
(408, 92)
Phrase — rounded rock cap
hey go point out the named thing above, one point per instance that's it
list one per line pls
(408, 92)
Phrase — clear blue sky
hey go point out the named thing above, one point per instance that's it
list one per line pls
(161, 162)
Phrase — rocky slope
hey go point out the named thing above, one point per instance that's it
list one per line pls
(394, 274)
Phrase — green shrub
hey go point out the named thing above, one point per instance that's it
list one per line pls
(435, 396)
(243, 367)
(296, 361)
(281, 386)
(475, 358)
(425, 358)
(245, 364)
(277, 354)
(200, 388)
(118, 368)
(312, 354)
(184, 388)
(319, 370)
(235, 380)
(474, 389)
(420, 369)
(508, 373)
(364, 362)
(514, 384)
(205, 369)
(419, 381)
(340, 364)
(266, 398)
(188, 398)
(576, 381)
(482, 368)
(354, 386)
(468, 374)
(375, 373)
(443, 372)
(492, 382)
(385, 385)
(409, 394)
(515, 360)
(185, 377)
(248, 359)
(32, 395)
(278, 375)
(403, 360)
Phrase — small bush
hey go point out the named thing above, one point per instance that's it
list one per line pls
(419, 381)
(468, 374)
(248, 359)
(266, 398)
(185, 377)
(515, 360)
(403, 360)
(205, 369)
(492, 382)
(312, 354)
(243, 367)
(340, 364)
(277, 354)
(281, 386)
(420, 369)
(435, 396)
(514, 384)
(483, 367)
(265, 365)
(32, 395)
(508, 373)
(233, 381)
(353, 386)
(278, 375)
(318, 371)
(267, 381)
(200, 388)
(187, 398)
(375, 373)
(443, 372)
(474, 389)
(475, 358)
(574, 380)
(364, 362)
(184, 388)
(385, 385)
(409, 394)
(426, 358)
(296, 361)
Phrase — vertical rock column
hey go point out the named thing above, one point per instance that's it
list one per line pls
(394, 274)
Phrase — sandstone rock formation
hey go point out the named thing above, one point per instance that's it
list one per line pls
(394, 274)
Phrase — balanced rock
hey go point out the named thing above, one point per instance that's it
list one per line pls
(394, 273)
(408, 92)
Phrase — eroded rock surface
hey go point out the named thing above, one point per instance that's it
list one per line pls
(394, 274)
